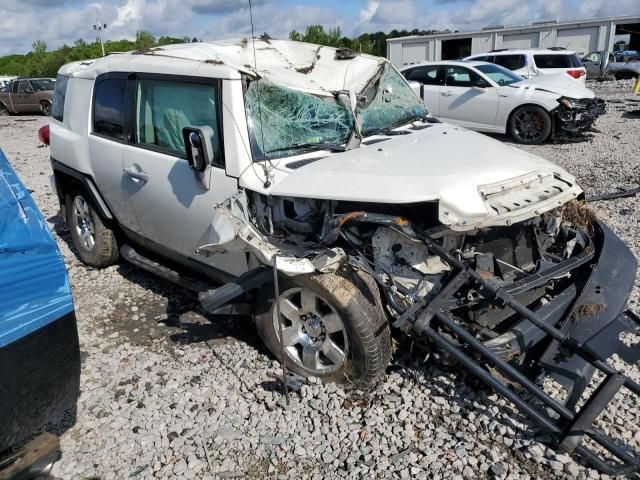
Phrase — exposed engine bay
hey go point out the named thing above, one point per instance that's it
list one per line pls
(380, 239)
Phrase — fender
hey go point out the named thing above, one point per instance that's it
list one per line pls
(86, 181)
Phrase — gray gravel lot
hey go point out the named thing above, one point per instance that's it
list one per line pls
(170, 393)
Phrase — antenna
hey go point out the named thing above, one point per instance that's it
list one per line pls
(99, 27)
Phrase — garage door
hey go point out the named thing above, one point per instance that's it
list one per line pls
(520, 40)
(414, 54)
(580, 40)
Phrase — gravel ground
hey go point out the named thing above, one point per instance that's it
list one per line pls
(170, 393)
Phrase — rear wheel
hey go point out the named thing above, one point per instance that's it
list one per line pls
(95, 243)
(530, 125)
(333, 327)
(3, 111)
(45, 108)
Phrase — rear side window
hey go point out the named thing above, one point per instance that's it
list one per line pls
(510, 62)
(109, 108)
(557, 61)
(483, 58)
(59, 94)
(428, 75)
(164, 108)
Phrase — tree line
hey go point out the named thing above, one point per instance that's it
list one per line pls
(372, 43)
(42, 63)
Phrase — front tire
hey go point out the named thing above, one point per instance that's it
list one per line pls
(530, 125)
(333, 325)
(94, 242)
(3, 111)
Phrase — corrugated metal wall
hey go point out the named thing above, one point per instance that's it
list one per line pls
(582, 39)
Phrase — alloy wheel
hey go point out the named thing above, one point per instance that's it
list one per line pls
(313, 333)
(529, 125)
(83, 223)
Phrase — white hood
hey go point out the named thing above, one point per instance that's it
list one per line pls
(560, 84)
(476, 180)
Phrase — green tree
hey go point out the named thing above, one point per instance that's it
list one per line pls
(39, 46)
(144, 40)
(170, 40)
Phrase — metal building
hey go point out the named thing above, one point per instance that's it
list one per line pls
(581, 36)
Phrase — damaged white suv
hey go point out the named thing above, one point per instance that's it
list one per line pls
(203, 161)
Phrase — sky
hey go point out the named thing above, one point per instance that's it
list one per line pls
(64, 21)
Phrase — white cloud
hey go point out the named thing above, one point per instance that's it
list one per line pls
(367, 13)
(131, 11)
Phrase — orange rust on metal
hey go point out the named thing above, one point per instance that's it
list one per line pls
(349, 217)
(402, 222)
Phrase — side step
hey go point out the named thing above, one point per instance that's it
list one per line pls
(145, 263)
(213, 300)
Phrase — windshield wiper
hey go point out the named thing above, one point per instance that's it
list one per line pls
(334, 147)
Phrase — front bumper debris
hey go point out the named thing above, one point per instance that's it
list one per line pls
(575, 116)
(584, 334)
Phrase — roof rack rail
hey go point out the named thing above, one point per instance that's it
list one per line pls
(557, 48)
(499, 50)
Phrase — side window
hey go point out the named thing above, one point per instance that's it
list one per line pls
(460, 77)
(59, 94)
(14, 86)
(24, 86)
(428, 75)
(510, 62)
(164, 108)
(109, 108)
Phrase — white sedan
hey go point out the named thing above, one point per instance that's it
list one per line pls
(489, 98)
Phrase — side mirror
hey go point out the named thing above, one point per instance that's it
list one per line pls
(197, 144)
(480, 84)
(29, 90)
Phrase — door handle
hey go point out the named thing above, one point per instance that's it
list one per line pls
(136, 174)
(447, 93)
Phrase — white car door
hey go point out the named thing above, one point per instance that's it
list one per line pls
(468, 99)
(106, 145)
(430, 78)
(174, 204)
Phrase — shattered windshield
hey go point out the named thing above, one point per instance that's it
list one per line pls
(388, 102)
(284, 121)
(280, 117)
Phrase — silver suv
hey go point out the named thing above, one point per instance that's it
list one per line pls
(220, 171)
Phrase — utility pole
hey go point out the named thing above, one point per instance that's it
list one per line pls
(99, 27)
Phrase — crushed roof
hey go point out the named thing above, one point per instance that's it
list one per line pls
(298, 65)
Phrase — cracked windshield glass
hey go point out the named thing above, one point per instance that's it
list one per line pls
(283, 121)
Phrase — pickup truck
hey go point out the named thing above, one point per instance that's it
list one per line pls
(27, 95)
(601, 65)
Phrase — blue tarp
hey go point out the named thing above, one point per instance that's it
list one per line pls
(34, 288)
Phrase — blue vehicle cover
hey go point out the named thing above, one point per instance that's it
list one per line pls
(39, 348)
(34, 289)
